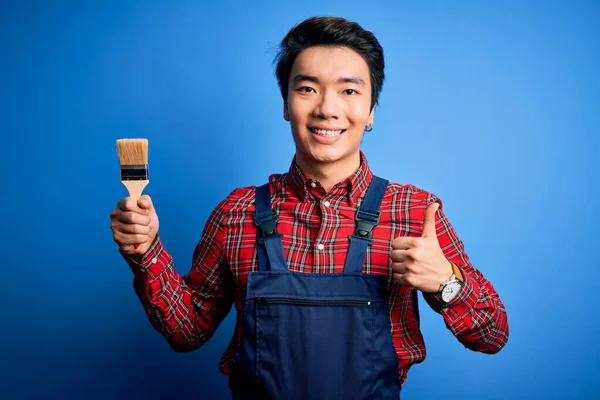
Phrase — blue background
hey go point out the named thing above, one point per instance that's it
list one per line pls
(492, 106)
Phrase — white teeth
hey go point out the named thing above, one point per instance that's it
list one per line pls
(328, 133)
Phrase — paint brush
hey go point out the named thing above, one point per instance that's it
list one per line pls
(133, 157)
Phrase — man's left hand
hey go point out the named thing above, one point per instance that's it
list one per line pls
(419, 261)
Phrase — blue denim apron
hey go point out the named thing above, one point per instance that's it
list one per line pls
(316, 335)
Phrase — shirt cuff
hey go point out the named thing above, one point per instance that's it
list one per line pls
(460, 305)
(466, 299)
(142, 264)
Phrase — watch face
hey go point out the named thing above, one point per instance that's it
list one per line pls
(450, 291)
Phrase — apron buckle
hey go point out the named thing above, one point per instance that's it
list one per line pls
(267, 224)
(365, 222)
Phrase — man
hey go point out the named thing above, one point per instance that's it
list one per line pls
(324, 262)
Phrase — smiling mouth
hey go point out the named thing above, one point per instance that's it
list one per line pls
(327, 132)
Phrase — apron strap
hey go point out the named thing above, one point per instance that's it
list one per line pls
(270, 249)
(367, 217)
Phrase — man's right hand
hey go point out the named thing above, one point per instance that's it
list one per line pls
(134, 222)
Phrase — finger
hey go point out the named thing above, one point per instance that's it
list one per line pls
(145, 202)
(130, 204)
(129, 228)
(400, 267)
(401, 255)
(127, 248)
(129, 239)
(405, 243)
(403, 279)
(429, 221)
(130, 250)
(130, 217)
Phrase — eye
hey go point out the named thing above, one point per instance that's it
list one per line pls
(350, 92)
(306, 89)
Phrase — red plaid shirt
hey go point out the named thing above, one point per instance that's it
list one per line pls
(315, 225)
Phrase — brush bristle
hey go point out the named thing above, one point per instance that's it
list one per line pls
(132, 151)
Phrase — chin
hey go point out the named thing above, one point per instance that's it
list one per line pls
(325, 155)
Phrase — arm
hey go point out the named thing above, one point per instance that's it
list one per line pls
(186, 310)
(477, 316)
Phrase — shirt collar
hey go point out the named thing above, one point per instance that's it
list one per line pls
(352, 187)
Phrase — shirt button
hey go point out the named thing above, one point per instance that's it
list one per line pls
(321, 246)
(313, 184)
(326, 203)
(154, 260)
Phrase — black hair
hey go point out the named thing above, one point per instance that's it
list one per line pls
(330, 31)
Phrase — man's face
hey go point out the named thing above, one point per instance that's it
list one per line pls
(328, 103)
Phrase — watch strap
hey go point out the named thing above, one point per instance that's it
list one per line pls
(457, 273)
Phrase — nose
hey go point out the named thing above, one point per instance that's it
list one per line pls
(328, 106)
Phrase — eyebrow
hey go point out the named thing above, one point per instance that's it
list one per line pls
(351, 79)
(305, 78)
(345, 79)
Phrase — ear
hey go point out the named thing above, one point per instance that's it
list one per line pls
(371, 116)
(286, 115)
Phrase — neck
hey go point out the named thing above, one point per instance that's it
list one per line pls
(329, 173)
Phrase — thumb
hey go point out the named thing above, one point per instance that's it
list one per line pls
(429, 222)
(145, 202)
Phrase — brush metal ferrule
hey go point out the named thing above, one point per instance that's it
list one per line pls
(134, 172)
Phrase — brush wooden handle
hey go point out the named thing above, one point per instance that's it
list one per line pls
(135, 189)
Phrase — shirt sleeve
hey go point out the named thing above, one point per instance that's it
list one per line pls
(186, 310)
(476, 316)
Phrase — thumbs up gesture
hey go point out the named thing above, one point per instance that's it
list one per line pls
(419, 261)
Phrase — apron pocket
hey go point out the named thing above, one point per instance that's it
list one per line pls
(315, 348)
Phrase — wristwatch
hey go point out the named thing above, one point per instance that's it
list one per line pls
(450, 289)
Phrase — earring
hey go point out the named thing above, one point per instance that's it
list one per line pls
(369, 128)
